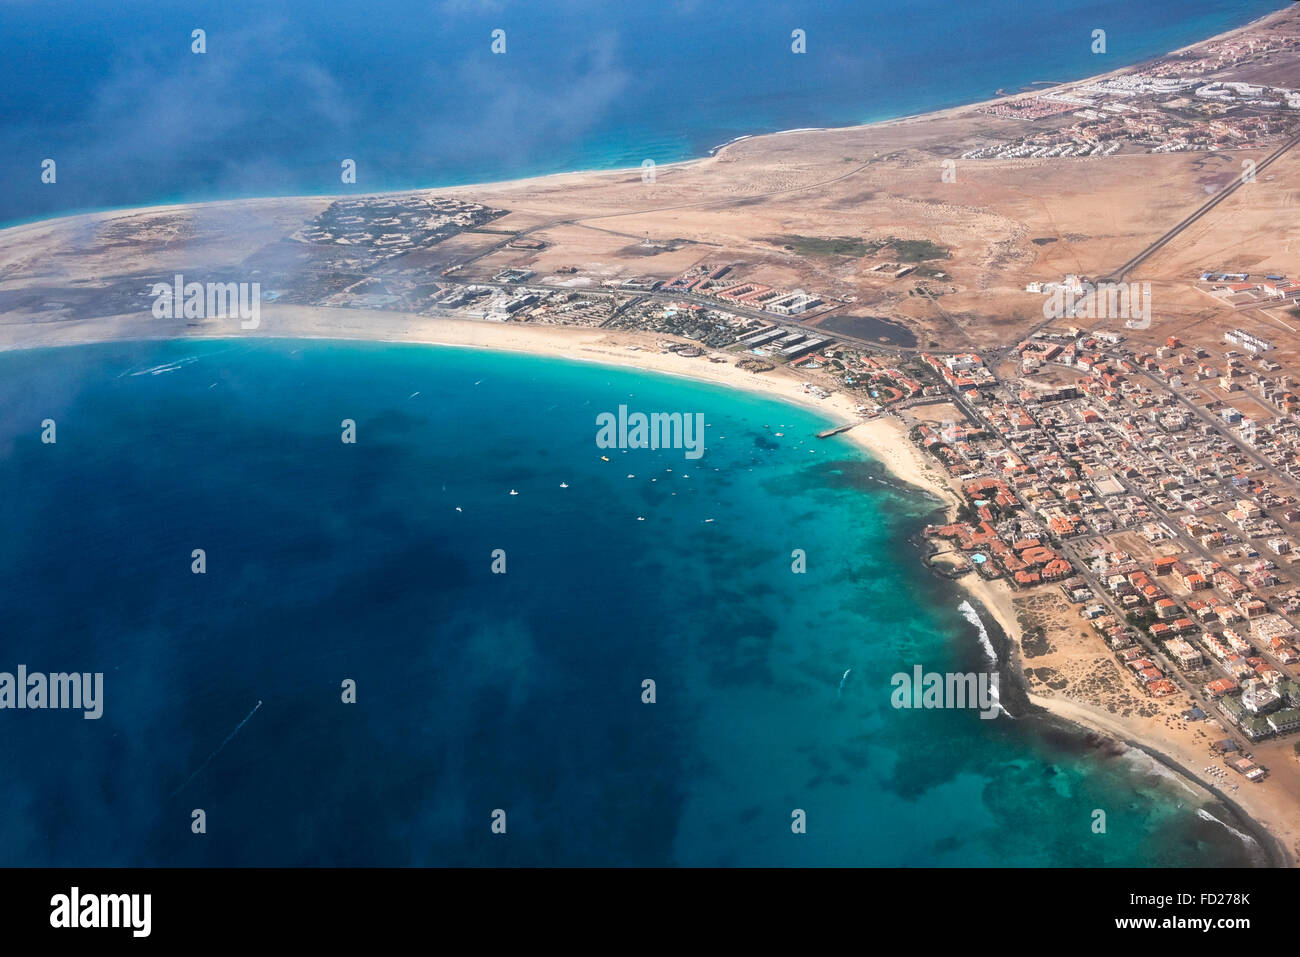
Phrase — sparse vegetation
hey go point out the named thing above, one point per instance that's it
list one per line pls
(904, 250)
(917, 250)
(823, 246)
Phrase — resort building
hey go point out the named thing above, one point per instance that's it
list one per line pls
(1251, 343)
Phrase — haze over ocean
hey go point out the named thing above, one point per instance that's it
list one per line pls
(288, 90)
(477, 691)
(372, 562)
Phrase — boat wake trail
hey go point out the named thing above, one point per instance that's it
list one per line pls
(843, 678)
(213, 755)
(166, 367)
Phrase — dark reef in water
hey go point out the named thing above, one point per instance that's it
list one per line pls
(1074, 738)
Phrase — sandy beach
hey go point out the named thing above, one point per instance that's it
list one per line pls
(1178, 747)
(1069, 674)
(1270, 808)
(885, 438)
(1063, 680)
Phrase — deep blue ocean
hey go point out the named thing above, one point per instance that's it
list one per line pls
(288, 89)
(372, 562)
(475, 691)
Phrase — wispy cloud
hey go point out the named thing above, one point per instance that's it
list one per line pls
(513, 114)
(151, 117)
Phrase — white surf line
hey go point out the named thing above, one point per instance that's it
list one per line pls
(218, 751)
(1243, 837)
(970, 614)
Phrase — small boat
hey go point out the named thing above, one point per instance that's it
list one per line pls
(564, 485)
(513, 492)
(604, 458)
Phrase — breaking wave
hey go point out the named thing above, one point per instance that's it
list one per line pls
(1207, 816)
(970, 614)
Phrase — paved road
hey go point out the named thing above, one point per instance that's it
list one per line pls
(1118, 274)
(1218, 197)
(1080, 550)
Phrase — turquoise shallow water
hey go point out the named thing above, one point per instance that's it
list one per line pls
(476, 691)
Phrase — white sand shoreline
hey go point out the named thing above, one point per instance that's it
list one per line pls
(1251, 804)
(884, 438)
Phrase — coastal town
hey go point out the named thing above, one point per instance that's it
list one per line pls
(1157, 489)
(1153, 485)
(1116, 480)
(1178, 104)
(1159, 510)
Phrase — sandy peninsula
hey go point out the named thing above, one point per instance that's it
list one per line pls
(754, 202)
